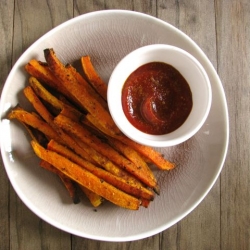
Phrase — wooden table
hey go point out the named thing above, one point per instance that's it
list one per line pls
(221, 29)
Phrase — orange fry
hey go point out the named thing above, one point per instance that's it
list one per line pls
(44, 94)
(41, 71)
(84, 98)
(133, 156)
(120, 183)
(38, 105)
(52, 100)
(91, 155)
(128, 152)
(149, 153)
(143, 173)
(88, 87)
(106, 163)
(87, 179)
(93, 77)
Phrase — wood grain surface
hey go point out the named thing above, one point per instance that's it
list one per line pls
(221, 29)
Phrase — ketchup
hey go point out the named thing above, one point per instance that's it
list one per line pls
(156, 98)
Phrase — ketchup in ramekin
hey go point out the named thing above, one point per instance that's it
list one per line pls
(156, 98)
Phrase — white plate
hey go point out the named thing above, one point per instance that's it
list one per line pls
(107, 36)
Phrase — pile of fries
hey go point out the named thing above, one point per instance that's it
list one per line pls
(75, 137)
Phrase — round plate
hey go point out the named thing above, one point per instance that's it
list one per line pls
(107, 36)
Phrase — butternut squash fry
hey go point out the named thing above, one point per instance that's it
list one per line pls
(87, 179)
(107, 164)
(143, 173)
(128, 152)
(38, 105)
(132, 155)
(44, 113)
(44, 94)
(95, 157)
(41, 71)
(93, 77)
(88, 87)
(149, 154)
(84, 98)
(91, 155)
(120, 183)
(65, 139)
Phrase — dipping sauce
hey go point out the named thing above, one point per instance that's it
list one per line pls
(156, 98)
